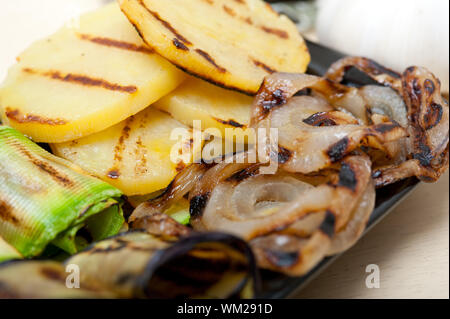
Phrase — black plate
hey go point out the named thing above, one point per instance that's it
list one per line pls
(279, 286)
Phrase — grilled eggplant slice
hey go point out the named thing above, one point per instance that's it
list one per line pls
(135, 155)
(140, 265)
(234, 44)
(83, 80)
(44, 199)
(44, 279)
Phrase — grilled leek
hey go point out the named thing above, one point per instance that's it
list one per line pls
(44, 199)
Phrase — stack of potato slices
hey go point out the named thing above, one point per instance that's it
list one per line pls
(108, 94)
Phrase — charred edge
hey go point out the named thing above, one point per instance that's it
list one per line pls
(385, 127)
(283, 155)
(208, 58)
(433, 116)
(85, 80)
(425, 156)
(244, 174)
(378, 69)
(212, 81)
(229, 11)
(198, 204)
(328, 225)
(320, 119)
(52, 274)
(50, 170)
(347, 177)
(337, 151)
(6, 213)
(266, 68)
(279, 33)
(16, 116)
(116, 44)
(417, 89)
(166, 24)
(179, 45)
(114, 174)
(276, 99)
(282, 259)
(429, 86)
(231, 123)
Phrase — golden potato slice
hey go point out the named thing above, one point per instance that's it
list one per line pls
(84, 79)
(215, 107)
(134, 155)
(233, 43)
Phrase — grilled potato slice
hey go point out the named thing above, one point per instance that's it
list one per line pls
(233, 43)
(134, 155)
(215, 107)
(84, 79)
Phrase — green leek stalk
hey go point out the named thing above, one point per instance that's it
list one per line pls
(45, 199)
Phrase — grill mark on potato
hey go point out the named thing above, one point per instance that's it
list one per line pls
(6, 213)
(17, 116)
(240, 1)
(47, 168)
(229, 11)
(114, 173)
(208, 58)
(248, 20)
(141, 159)
(264, 66)
(230, 122)
(116, 44)
(179, 45)
(83, 80)
(279, 33)
(166, 24)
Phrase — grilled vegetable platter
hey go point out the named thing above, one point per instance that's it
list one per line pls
(274, 168)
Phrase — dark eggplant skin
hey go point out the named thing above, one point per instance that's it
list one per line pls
(167, 267)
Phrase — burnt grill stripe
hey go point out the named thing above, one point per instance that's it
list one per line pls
(166, 24)
(347, 177)
(328, 225)
(17, 116)
(264, 66)
(116, 44)
(230, 122)
(47, 168)
(179, 45)
(6, 213)
(208, 58)
(279, 33)
(337, 151)
(83, 80)
(198, 204)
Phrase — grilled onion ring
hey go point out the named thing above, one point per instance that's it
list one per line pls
(311, 134)
(427, 148)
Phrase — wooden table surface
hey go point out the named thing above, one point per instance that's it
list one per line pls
(410, 246)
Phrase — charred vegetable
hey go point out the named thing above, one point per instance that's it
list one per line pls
(44, 199)
(230, 43)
